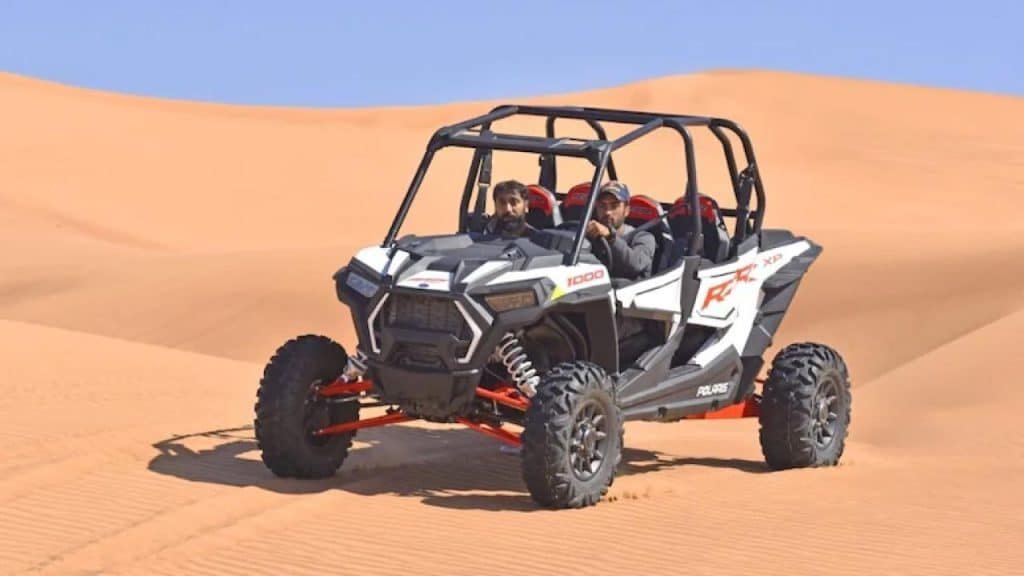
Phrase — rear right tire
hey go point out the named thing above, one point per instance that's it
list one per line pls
(805, 408)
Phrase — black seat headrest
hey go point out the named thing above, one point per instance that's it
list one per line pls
(716, 236)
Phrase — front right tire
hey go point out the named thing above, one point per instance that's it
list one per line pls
(289, 410)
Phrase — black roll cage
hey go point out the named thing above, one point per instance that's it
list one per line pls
(476, 133)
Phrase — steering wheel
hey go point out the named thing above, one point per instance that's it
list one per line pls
(573, 224)
(607, 250)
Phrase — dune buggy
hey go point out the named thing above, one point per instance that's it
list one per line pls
(526, 334)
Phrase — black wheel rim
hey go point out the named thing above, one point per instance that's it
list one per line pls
(316, 415)
(588, 446)
(825, 411)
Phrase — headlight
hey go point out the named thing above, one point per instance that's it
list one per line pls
(361, 285)
(511, 300)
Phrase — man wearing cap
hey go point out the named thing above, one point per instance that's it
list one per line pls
(632, 254)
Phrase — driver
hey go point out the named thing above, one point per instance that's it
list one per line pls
(510, 208)
(632, 258)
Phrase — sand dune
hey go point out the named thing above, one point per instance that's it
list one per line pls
(156, 252)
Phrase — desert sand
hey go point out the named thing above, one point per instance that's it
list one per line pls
(155, 253)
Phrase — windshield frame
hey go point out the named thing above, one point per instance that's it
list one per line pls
(476, 133)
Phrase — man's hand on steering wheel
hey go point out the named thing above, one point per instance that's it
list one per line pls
(598, 232)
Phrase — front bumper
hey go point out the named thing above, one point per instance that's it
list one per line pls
(426, 393)
(421, 353)
(426, 349)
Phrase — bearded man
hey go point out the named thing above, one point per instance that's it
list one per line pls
(632, 254)
(510, 208)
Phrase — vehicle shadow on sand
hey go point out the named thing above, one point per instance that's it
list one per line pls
(451, 468)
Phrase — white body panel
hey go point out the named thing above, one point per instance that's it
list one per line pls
(729, 297)
(377, 259)
(436, 280)
(656, 297)
(486, 269)
(567, 279)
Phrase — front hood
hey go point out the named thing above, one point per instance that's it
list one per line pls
(463, 264)
(465, 272)
(457, 262)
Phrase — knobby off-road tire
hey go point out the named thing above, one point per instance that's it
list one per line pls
(572, 437)
(805, 408)
(288, 410)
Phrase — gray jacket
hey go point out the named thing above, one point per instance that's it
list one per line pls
(631, 260)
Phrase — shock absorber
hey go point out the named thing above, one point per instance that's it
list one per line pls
(518, 364)
(356, 366)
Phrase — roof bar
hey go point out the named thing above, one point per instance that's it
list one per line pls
(634, 134)
(540, 145)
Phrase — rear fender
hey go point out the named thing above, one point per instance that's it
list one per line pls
(777, 294)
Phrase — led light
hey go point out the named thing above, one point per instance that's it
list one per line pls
(511, 300)
(361, 285)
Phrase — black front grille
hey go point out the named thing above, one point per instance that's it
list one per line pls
(418, 356)
(426, 313)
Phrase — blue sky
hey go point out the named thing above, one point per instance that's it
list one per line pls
(387, 52)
